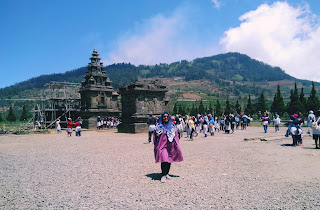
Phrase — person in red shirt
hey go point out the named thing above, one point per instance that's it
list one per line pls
(69, 127)
(78, 126)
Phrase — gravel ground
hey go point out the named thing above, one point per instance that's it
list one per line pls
(109, 170)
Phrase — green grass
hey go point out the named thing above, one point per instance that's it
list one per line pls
(13, 125)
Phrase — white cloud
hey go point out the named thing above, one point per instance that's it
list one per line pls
(160, 39)
(280, 35)
(216, 3)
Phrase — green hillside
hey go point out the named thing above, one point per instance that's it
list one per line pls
(234, 73)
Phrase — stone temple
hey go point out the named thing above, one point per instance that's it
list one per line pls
(97, 95)
(139, 100)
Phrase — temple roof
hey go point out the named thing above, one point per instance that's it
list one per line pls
(145, 85)
(95, 78)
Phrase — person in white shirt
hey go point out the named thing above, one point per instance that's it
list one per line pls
(58, 126)
(311, 117)
(276, 121)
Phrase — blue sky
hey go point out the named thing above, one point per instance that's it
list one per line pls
(44, 37)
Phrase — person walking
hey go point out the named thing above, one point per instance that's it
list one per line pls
(295, 130)
(192, 127)
(187, 118)
(222, 123)
(166, 145)
(311, 118)
(265, 121)
(205, 126)
(198, 121)
(216, 124)
(316, 129)
(244, 122)
(227, 124)
(58, 126)
(151, 126)
(233, 122)
(211, 125)
(98, 123)
(179, 125)
(276, 122)
(78, 127)
(69, 127)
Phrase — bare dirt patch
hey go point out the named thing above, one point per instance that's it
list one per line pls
(109, 170)
(190, 96)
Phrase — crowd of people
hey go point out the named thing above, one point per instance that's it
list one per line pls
(107, 122)
(204, 123)
(294, 125)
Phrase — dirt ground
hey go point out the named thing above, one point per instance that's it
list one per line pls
(110, 170)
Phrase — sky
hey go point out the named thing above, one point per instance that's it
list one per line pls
(45, 37)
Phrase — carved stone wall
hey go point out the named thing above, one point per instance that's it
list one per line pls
(139, 100)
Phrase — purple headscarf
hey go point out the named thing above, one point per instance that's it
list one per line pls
(170, 128)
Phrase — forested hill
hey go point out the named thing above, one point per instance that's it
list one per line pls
(230, 66)
(218, 69)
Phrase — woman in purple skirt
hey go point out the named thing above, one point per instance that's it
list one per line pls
(166, 144)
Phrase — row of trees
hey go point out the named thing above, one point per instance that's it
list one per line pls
(12, 118)
(298, 103)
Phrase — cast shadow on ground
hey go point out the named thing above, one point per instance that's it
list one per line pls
(310, 148)
(286, 145)
(157, 176)
(290, 145)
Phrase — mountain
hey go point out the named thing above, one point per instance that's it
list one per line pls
(230, 74)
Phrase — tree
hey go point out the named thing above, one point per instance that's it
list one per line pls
(303, 102)
(313, 101)
(182, 111)
(193, 111)
(228, 107)
(175, 109)
(249, 109)
(278, 103)
(201, 108)
(261, 105)
(218, 111)
(11, 117)
(294, 104)
(24, 114)
(210, 108)
(238, 107)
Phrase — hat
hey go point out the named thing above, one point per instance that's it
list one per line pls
(310, 112)
(69, 119)
(295, 115)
